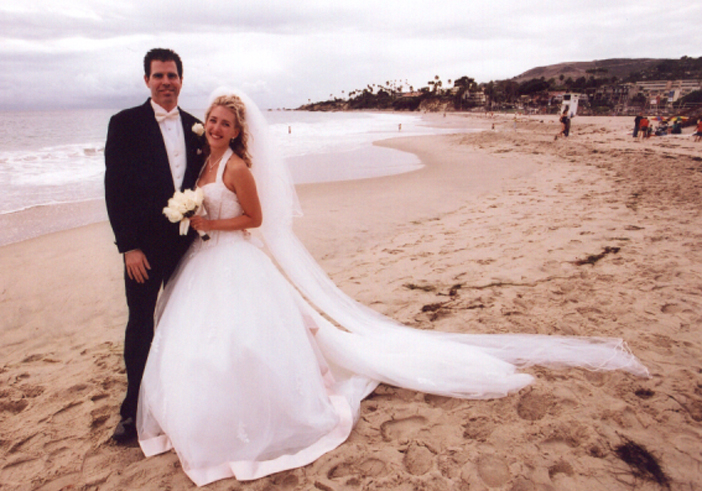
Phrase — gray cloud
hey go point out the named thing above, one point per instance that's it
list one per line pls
(84, 53)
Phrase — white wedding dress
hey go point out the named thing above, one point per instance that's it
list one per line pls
(234, 381)
(245, 378)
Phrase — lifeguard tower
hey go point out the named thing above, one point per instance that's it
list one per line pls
(570, 102)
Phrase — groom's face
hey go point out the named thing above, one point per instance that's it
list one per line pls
(164, 83)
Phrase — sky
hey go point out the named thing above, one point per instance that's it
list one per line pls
(59, 54)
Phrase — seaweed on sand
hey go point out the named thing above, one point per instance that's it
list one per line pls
(593, 258)
(643, 465)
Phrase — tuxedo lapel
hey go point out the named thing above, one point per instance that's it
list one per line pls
(193, 150)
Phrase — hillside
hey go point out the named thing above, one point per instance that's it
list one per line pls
(600, 80)
(615, 67)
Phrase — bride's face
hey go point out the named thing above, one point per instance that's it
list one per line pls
(221, 126)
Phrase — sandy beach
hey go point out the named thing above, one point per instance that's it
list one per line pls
(502, 231)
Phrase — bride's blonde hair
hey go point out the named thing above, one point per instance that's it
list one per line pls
(240, 144)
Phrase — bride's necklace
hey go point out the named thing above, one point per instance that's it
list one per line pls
(211, 163)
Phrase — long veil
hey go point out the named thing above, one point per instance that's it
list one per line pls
(364, 348)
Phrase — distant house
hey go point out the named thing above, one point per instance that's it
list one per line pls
(475, 98)
(667, 91)
(616, 94)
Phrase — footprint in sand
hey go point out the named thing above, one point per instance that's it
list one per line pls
(370, 467)
(671, 308)
(32, 358)
(478, 428)
(343, 469)
(396, 429)
(17, 446)
(694, 408)
(67, 413)
(13, 406)
(285, 480)
(31, 391)
(571, 433)
(99, 416)
(77, 388)
(22, 376)
(418, 459)
(561, 467)
(493, 471)
(533, 406)
(99, 396)
(661, 341)
(373, 467)
(598, 379)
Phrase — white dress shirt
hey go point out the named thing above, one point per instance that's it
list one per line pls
(172, 131)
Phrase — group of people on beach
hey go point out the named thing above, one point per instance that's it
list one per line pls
(243, 366)
(643, 127)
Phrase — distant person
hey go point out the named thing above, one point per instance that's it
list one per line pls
(565, 124)
(637, 124)
(677, 128)
(662, 129)
(698, 133)
(643, 128)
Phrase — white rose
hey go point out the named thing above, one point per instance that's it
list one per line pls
(177, 203)
(198, 129)
(199, 196)
(172, 215)
(190, 199)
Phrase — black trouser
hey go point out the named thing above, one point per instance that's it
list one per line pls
(141, 301)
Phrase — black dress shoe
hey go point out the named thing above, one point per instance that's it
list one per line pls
(125, 431)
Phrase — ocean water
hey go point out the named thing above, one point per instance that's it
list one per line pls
(56, 157)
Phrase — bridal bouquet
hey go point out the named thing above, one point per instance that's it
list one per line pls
(184, 205)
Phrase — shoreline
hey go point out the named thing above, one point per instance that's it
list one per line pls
(39, 220)
(594, 235)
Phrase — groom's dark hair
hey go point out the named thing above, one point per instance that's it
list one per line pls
(160, 54)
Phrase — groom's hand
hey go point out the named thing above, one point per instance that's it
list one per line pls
(137, 265)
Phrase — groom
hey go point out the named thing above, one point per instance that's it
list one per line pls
(150, 152)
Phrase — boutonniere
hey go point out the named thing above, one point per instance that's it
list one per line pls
(198, 129)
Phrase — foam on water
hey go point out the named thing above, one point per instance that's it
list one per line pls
(58, 156)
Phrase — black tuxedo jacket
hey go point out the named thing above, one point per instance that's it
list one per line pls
(138, 183)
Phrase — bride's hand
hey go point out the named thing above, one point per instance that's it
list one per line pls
(201, 224)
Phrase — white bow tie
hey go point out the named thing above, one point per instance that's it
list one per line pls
(162, 115)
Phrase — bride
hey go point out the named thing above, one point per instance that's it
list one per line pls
(246, 378)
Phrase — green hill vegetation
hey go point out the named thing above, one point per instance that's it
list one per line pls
(607, 85)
